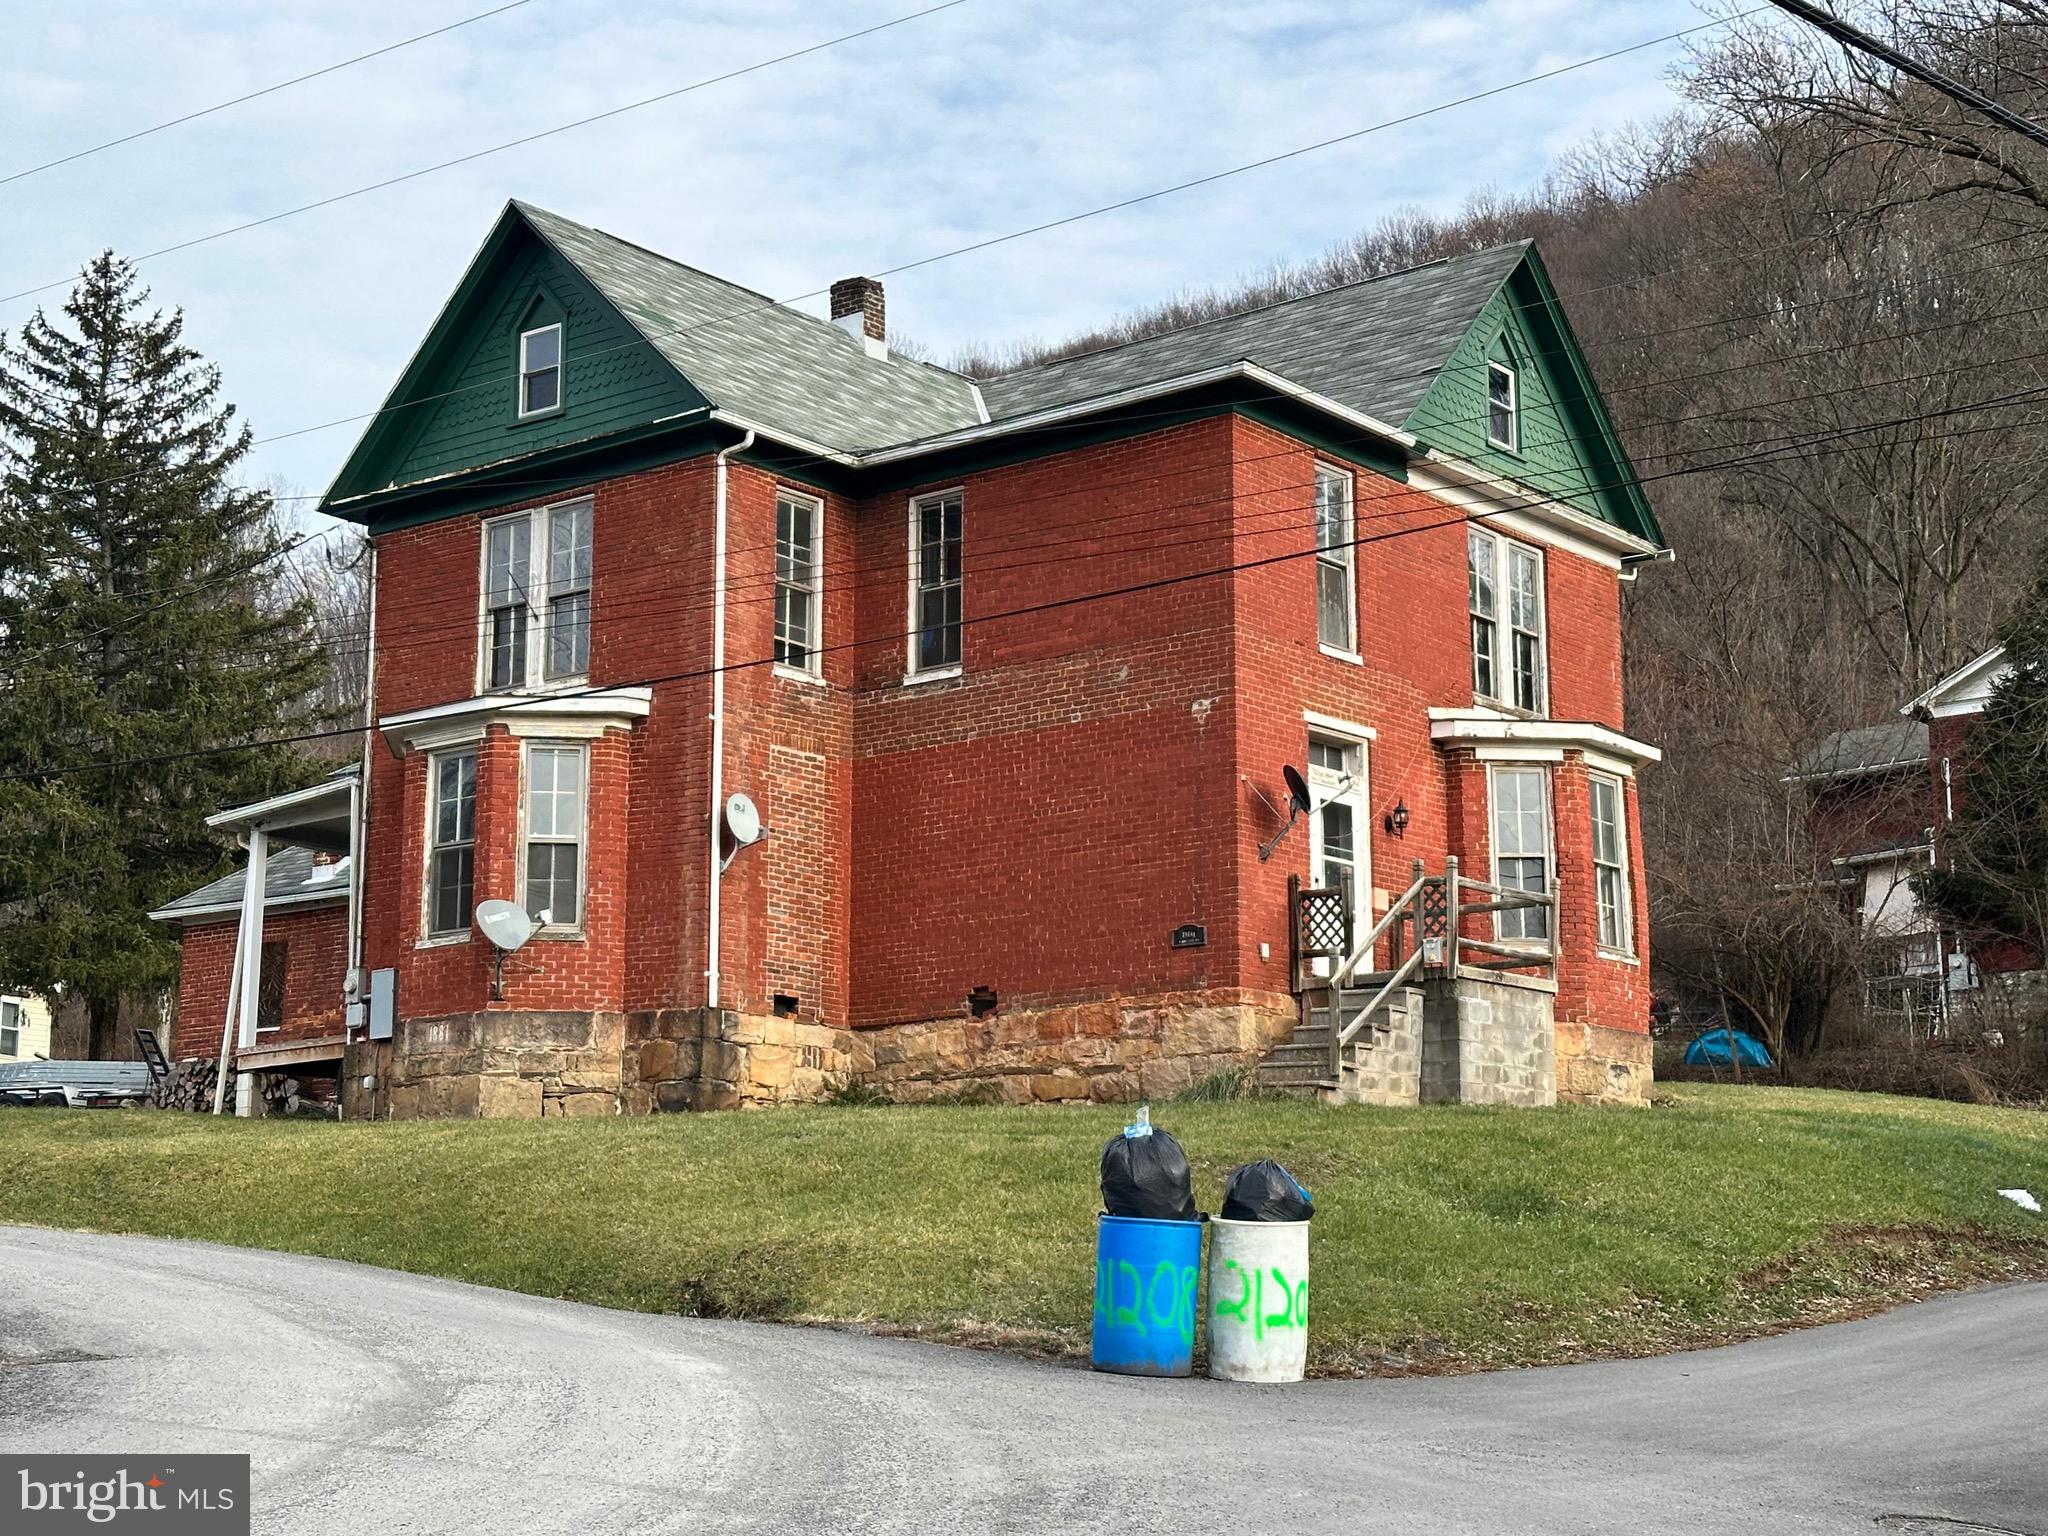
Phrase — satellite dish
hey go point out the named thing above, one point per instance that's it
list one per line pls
(505, 923)
(743, 820)
(1298, 799)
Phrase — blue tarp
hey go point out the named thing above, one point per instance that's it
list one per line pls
(1713, 1049)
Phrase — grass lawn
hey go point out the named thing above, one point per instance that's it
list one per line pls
(1445, 1238)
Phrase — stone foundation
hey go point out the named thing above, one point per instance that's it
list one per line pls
(1099, 1052)
(1597, 1065)
(1488, 1039)
(521, 1065)
(500, 1065)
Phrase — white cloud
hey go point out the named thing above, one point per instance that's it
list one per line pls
(943, 131)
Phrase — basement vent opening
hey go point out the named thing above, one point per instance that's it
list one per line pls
(785, 1006)
(981, 1002)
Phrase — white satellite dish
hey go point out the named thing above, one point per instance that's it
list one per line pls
(507, 926)
(743, 820)
(505, 923)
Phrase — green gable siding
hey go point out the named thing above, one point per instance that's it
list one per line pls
(612, 380)
(1552, 454)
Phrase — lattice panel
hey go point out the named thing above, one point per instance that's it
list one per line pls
(1436, 917)
(1325, 923)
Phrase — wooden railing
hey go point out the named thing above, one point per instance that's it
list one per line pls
(1424, 931)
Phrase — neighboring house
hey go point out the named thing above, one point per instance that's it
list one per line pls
(24, 1027)
(1881, 799)
(1010, 669)
(1869, 816)
(294, 1021)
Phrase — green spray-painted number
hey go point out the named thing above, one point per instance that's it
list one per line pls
(1249, 1308)
(1164, 1304)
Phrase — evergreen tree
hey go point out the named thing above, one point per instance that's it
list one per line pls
(139, 617)
(1995, 885)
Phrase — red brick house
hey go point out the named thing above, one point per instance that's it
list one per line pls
(1011, 669)
(1880, 802)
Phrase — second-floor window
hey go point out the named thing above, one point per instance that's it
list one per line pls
(1504, 592)
(935, 583)
(797, 520)
(1336, 561)
(451, 842)
(540, 370)
(536, 621)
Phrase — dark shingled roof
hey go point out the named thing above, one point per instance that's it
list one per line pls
(788, 371)
(1867, 749)
(290, 878)
(1375, 346)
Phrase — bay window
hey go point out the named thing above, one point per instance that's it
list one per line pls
(553, 866)
(1610, 863)
(1520, 825)
(451, 842)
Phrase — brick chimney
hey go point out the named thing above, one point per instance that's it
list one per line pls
(857, 307)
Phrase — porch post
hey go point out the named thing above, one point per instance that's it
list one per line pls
(249, 957)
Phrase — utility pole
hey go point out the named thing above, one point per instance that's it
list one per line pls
(1855, 37)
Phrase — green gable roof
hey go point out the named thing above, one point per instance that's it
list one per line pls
(650, 345)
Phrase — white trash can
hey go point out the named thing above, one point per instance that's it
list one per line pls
(1258, 1300)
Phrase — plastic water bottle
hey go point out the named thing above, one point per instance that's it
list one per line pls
(1142, 1126)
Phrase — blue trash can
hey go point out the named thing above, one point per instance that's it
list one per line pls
(1147, 1287)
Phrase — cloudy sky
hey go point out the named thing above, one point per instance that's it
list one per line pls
(984, 118)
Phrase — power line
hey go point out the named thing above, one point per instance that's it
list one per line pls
(496, 149)
(1856, 38)
(2030, 396)
(268, 90)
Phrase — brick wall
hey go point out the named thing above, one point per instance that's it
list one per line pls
(316, 966)
(1099, 775)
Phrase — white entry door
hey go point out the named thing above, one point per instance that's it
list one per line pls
(1339, 850)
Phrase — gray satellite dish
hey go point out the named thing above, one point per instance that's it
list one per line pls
(507, 926)
(743, 820)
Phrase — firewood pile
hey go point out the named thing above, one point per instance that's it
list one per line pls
(311, 1097)
(189, 1085)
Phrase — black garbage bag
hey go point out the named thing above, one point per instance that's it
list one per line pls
(1265, 1192)
(1147, 1176)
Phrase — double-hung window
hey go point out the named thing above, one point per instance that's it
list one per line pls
(935, 583)
(1502, 425)
(798, 524)
(1610, 862)
(1520, 825)
(540, 370)
(10, 1029)
(1504, 593)
(554, 834)
(536, 621)
(1336, 560)
(451, 842)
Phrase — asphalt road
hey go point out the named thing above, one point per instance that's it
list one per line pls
(376, 1402)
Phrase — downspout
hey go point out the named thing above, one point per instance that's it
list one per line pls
(359, 810)
(718, 713)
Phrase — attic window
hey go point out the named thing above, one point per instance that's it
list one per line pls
(1500, 406)
(540, 370)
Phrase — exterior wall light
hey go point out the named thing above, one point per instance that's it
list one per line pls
(1396, 820)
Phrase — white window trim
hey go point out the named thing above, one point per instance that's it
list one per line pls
(429, 937)
(1625, 948)
(1504, 628)
(815, 672)
(561, 370)
(1513, 444)
(541, 525)
(1352, 653)
(1353, 739)
(11, 1015)
(912, 673)
(576, 929)
(1493, 772)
